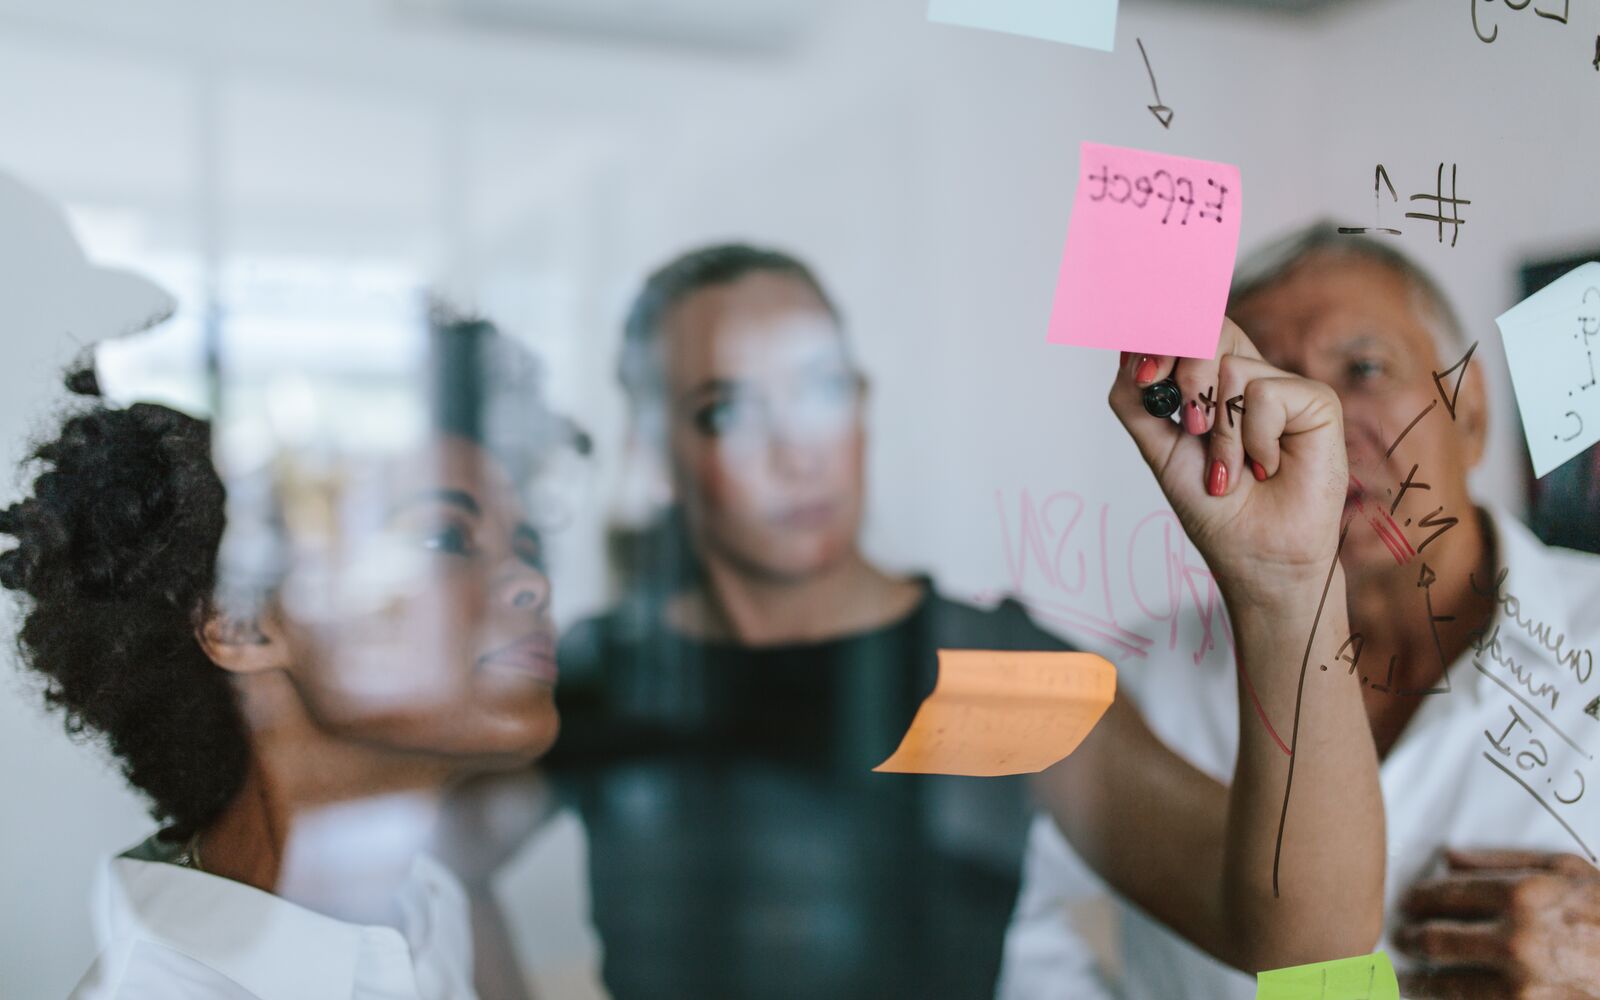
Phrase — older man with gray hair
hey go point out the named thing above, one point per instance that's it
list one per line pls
(1475, 647)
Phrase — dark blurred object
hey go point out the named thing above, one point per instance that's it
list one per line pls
(1564, 506)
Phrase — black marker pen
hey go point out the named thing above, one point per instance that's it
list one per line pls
(1162, 399)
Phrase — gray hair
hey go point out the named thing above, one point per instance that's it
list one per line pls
(1271, 263)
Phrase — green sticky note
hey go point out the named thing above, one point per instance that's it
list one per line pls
(1365, 977)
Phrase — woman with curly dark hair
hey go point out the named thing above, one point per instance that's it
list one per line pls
(297, 765)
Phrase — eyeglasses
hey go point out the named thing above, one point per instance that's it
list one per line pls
(811, 408)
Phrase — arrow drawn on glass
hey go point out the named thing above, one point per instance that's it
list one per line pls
(1161, 111)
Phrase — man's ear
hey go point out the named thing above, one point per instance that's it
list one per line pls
(1472, 414)
(243, 642)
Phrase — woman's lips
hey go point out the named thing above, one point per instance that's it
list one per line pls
(534, 655)
(806, 516)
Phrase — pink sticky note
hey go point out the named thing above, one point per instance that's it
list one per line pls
(1150, 253)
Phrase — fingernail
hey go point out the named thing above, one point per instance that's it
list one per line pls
(1146, 372)
(1217, 479)
(1193, 420)
(1258, 470)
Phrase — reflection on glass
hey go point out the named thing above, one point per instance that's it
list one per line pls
(302, 715)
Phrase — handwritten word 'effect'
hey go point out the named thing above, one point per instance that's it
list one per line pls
(1178, 191)
(1380, 180)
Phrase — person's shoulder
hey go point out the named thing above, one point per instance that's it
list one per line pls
(155, 847)
(594, 640)
(1567, 577)
(1007, 625)
(584, 639)
(143, 969)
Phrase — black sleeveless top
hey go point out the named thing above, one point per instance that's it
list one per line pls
(740, 844)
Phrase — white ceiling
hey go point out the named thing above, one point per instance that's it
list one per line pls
(752, 25)
(755, 25)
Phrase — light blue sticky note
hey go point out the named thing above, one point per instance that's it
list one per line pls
(1090, 23)
(1552, 342)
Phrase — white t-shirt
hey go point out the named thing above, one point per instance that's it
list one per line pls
(172, 933)
(1463, 774)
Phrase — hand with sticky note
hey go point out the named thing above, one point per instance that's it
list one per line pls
(1365, 977)
(1241, 871)
(999, 712)
(1150, 252)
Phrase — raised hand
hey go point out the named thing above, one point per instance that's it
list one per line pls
(1255, 466)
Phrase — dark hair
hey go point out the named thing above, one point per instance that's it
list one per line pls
(723, 264)
(116, 564)
(1271, 263)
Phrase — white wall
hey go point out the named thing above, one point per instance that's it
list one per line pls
(926, 170)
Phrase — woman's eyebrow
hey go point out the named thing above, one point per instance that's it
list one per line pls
(455, 498)
(711, 386)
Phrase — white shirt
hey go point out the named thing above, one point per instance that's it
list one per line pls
(1438, 787)
(172, 933)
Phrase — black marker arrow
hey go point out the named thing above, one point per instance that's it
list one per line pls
(1235, 405)
(1439, 379)
(1161, 111)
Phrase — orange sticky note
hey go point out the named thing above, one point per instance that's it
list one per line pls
(998, 712)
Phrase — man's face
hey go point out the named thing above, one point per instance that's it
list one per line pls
(1363, 329)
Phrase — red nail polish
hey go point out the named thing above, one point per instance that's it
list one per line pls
(1258, 470)
(1217, 480)
(1146, 372)
(1193, 420)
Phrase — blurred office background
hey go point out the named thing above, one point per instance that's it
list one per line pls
(535, 158)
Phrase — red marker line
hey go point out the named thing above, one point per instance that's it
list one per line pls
(1399, 534)
(1394, 547)
(1397, 544)
(1251, 689)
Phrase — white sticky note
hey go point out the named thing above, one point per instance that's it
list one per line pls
(1090, 23)
(1552, 342)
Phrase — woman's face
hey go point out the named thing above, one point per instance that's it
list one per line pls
(765, 429)
(458, 658)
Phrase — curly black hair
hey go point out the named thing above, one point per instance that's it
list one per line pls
(116, 564)
(116, 567)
